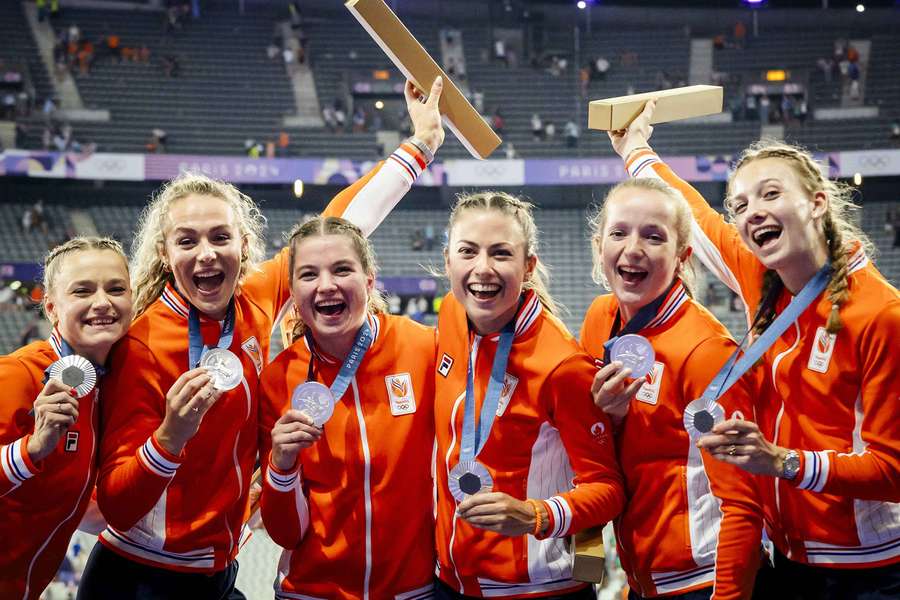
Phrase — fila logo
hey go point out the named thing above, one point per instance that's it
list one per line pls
(649, 392)
(446, 363)
(72, 441)
(400, 393)
(251, 347)
(823, 348)
(509, 386)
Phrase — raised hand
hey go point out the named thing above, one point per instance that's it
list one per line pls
(625, 141)
(424, 113)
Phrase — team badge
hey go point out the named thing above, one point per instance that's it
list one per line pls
(509, 387)
(649, 392)
(251, 348)
(823, 348)
(400, 393)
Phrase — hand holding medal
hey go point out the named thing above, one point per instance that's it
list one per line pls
(187, 401)
(293, 432)
(610, 392)
(55, 410)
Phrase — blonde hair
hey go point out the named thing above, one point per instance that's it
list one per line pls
(841, 234)
(521, 212)
(54, 260)
(683, 221)
(149, 272)
(320, 226)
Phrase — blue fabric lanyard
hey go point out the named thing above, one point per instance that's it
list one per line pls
(646, 314)
(733, 368)
(196, 348)
(473, 440)
(351, 363)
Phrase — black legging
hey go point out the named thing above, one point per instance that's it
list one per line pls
(109, 576)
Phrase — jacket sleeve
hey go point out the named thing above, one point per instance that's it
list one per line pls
(740, 530)
(716, 243)
(134, 468)
(871, 471)
(283, 504)
(586, 432)
(16, 425)
(372, 197)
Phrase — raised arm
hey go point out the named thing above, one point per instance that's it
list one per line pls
(372, 197)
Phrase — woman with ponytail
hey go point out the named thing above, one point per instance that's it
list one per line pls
(826, 434)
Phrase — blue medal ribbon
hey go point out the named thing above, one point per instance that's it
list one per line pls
(351, 363)
(733, 368)
(196, 347)
(646, 314)
(473, 440)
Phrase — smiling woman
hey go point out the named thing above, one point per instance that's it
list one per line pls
(48, 428)
(825, 432)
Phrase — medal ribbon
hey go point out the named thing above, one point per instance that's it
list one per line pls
(348, 369)
(646, 314)
(473, 440)
(196, 347)
(733, 368)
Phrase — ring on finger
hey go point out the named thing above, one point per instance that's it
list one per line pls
(196, 409)
(732, 450)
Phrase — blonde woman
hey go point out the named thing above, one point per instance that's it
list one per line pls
(827, 439)
(48, 429)
(180, 438)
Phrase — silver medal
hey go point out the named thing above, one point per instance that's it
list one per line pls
(76, 372)
(314, 400)
(469, 477)
(700, 416)
(224, 367)
(634, 352)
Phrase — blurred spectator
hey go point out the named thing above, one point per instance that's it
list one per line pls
(895, 130)
(418, 241)
(853, 73)
(253, 148)
(584, 80)
(340, 115)
(764, 105)
(429, 237)
(549, 131)
(572, 133)
(284, 142)
(801, 109)
(537, 127)
(740, 35)
(511, 151)
(288, 55)
(478, 100)
(85, 57)
(273, 50)
(157, 142)
(171, 65)
(498, 122)
(329, 118)
(500, 51)
(601, 68)
(787, 109)
(114, 46)
(359, 120)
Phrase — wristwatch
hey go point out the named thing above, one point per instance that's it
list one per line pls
(790, 464)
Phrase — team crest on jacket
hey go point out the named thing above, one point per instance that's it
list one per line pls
(649, 392)
(823, 348)
(598, 432)
(446, 363)
(251, 347)
(506, 392)
(400, 393)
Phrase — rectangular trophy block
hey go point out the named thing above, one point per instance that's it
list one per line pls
(611, 114)
(590, 556)
(416, 65)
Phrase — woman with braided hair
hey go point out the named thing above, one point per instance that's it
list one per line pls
(826, 434)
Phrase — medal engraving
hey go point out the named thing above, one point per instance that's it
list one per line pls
(314, 400)
(634, 352)
(224, 367)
